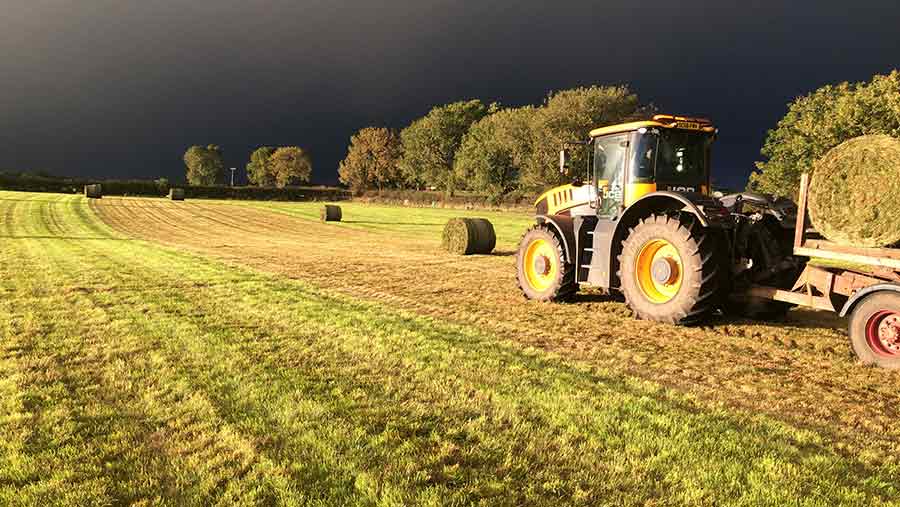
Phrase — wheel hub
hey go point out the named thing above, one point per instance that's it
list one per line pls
(542, 265)
(889, 332)
(658, 270)
(665, 270)
(883, 333)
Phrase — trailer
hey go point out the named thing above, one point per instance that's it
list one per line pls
(862, 284)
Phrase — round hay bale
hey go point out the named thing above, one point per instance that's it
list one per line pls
(331, 213)
(854, 195)
(94, 191)
(176, 194)
(466, 236)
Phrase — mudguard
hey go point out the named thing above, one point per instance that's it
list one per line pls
(565, 228)
(856, 298)
(709, 211)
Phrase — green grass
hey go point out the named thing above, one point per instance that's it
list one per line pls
(133, 373)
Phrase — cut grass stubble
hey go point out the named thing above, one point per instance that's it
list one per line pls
(150, 375)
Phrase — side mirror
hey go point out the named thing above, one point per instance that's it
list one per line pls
(563, 161)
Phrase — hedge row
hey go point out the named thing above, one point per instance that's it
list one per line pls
(463, 200)
(268, 194)
(149, 188)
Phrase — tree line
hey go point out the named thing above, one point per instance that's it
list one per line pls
(496, 151)
(268, 166)
(821, 120)
(485, 148)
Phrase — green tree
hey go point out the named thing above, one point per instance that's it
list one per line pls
(371, 159)
(290, 165)
(817, 122)
(569, 115)
(162, 184)
(495, 150)
(258, 171)
(430, 143)
(204, 165)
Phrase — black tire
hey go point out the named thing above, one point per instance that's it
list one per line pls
(697, 295)
(872, 307)
(560, 287)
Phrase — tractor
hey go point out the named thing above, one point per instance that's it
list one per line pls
(642, 221)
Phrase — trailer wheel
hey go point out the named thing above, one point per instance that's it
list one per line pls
(669, 270)
(875, 329)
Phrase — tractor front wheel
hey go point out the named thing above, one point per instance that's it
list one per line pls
(668, 270)
(541, 268)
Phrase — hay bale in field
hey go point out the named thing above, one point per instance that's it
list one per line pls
(93, 191)
(854, 195)
(176, 194)
(466, 236)
(330, 213)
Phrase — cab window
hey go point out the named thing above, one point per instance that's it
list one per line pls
(609, 171)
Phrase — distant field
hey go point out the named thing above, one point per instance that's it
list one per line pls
(196, 353)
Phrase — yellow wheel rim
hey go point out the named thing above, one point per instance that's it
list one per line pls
(541, 264)
(659, 271)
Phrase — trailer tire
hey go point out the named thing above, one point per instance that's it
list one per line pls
(874, 329)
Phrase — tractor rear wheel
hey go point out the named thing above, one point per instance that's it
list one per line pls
(541, 268)
(669, 270)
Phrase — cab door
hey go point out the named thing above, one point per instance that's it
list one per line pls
(610, 155)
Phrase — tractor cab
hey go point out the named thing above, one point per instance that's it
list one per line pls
(629, 161)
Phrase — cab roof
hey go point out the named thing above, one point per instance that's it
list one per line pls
(665, 121)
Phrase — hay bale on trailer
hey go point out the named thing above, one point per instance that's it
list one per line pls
(466, 236)
(854, 195)
(176, 194)
(94, 191)
(330, 213)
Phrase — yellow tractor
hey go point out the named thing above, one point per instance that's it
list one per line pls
(641, 221)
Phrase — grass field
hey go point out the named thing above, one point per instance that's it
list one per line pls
(202, 352)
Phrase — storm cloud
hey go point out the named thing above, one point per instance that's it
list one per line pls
(120, 88)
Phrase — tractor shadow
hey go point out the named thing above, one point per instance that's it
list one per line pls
(596, 296)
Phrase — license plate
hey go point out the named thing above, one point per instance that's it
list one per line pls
(689, 125)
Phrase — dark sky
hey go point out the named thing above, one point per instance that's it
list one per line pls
(115, 88)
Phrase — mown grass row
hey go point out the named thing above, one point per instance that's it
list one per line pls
(134, 373)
